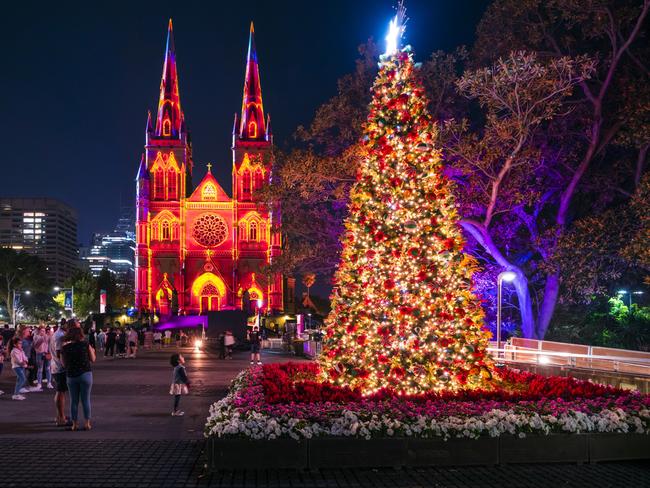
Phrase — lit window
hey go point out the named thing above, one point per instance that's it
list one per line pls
(252, 129)
(159, 185)
(243, 232)
(246, 183)
(258, 179)
(166, 236)
(253, 231)
(167, 127)
(171, 184)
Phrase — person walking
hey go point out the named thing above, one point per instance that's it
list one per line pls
(132, 338)
(19, 364)
(157, 340)
(41, 347)
(256, 341)
(110, 343)
(168, 338)
(120, 340)
(101, 340)
(229, 342)
(58, 373)
(180, 382)
(77, 357)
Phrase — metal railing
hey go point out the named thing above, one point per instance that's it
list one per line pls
(576, 356)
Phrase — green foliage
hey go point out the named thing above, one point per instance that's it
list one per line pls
(606, 322)
(20, 271)
(86, 295)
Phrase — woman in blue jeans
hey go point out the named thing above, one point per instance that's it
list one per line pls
(77, 356)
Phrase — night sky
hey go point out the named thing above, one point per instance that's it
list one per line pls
(77, 80)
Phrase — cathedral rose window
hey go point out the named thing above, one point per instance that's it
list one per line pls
(209, 230)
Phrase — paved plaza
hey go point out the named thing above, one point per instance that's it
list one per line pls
(136, 443)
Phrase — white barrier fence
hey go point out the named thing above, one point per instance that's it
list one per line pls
(578, 356)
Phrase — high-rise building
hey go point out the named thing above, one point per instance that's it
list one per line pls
(45, 227)
(114, 251)
(199, 247)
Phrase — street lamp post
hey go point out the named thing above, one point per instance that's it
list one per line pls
(629, 293)
(71, 289)
(503, 276)
(13, 303)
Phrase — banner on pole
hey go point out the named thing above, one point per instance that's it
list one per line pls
(102, 301)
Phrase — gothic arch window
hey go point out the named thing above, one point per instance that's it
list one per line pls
(259, 179)
(262, 232)
(159, 184)
(172, 184)
(252, 231)
(209, 192)
(175, 231)
(243, 231)
(252, 129)
(165, 231)
(155, 234)
(167, 127)
(246, 183)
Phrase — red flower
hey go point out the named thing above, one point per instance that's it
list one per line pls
(405, 310)
(350, 328)
(361, 340)
(382, 359)
(449, 243)
(389, 284)
(379, 236)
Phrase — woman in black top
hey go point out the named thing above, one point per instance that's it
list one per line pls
(77, 356)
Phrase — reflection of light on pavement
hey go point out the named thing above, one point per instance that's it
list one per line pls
(197, 345)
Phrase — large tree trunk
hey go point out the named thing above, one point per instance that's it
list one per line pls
(525, 306)
(546, 309)
(483, 237)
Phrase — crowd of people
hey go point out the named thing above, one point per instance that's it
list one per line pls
(61, 357)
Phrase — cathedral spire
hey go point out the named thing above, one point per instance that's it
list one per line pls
(168, 121)
(252, 125)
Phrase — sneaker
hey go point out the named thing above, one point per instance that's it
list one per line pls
(259, 363)
(23, 390)
(50, 386)
(252, 362)
(178, 413)
(36, 388)
(18, 397)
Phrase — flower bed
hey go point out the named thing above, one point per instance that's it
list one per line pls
(286, 401)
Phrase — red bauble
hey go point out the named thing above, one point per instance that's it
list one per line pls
(389, 284)
(361, 340)
(379, 236)
(370, 254)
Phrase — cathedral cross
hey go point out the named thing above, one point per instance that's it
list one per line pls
(209, 165)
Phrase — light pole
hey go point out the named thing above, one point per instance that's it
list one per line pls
(71, 290)
(629, 293)
(507, 276)
(14, 304)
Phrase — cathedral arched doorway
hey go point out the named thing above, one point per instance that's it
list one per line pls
(209, 291)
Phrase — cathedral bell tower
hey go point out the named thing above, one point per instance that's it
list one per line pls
(252, 164)
(164, 181)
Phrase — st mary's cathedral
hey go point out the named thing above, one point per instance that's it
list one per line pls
(198, 249)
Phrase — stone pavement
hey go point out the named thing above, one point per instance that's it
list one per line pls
(136, 443)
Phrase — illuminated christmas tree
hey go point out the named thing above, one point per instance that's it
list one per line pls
(403, 313)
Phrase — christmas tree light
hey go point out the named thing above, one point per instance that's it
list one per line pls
(403, 313)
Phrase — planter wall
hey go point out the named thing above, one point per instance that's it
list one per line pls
(397, 452)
